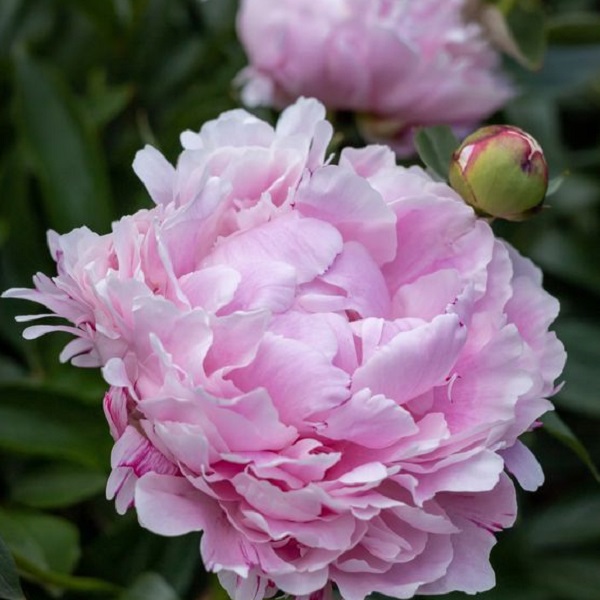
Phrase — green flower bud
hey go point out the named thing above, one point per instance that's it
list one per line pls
(501, 172)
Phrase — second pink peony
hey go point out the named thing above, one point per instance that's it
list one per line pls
(396, 64)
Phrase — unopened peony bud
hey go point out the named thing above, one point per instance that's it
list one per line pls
(501, 172)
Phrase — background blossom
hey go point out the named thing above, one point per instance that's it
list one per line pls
(323, 367)
(395, 63)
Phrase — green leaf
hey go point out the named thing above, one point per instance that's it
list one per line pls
(10, 370)
(574, 259)
(565, 69)
(101, 13)
(57, 486)
(43, 423)
(569, 578)
(126, 551)
(104, 102)
(176, 69)
(581, 341)
(8, 12)
(50, 543)
(65, 155)
(58, 581)
(219, 15)
(24, 241)
(46, 550)
(85, 385)
(218, 592)
(435, 146)
(571, 523)
(554, 185)
(526, 21)
(574, 28)
(556, 427)
(149, 585)
(576, 198)
(10, 589)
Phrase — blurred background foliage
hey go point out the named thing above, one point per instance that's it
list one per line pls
(84, 84)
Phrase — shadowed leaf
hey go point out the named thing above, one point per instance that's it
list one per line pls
(555, 426)
(64, 154)
(435, 146)
(10, 589)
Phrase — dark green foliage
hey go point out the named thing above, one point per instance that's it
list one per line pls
(435, 146)
(84, 84)
(9, 580)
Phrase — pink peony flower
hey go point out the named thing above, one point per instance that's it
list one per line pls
(397, 63)
(324, 367)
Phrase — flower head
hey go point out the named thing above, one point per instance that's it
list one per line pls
(396, 64)
(323, 367)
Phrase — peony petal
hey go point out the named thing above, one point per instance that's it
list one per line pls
(373, 421)
(300, 583)
(368, 161)
(347, 201)
(295, 396)
(477, 473)
(400, 580)
(470, 570)
(251, 587)
(413, 361)
(210, 288)
(523, 465)
(355, 272)
(294, 505)
(308, 245)
(169, 505)
(156, 173)
(247, 328)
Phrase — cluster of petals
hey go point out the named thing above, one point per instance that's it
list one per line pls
(325, 368)
(398, 63)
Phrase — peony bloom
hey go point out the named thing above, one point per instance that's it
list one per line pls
(398, 63)
(323, 367)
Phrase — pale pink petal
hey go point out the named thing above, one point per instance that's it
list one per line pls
(300, 583)
(369, 160)
(400, 581)
(251, 587)
(347, 201)
(478, 473)
(156, 173)
(169, 505)
(210, 288)
(296, 396)
(470, 569)
(373, 421)
(523, 465)
(356, 273)
(246, 328)
(308, 245)
(413, 361)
